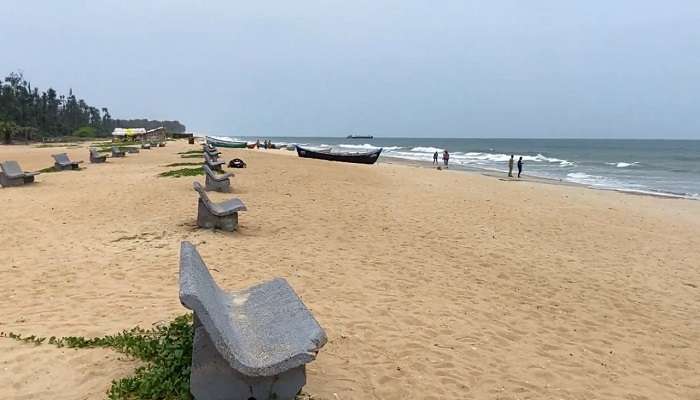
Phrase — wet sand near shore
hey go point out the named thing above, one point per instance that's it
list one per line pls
(430, 284)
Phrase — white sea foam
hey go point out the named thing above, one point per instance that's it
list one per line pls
(426, 149)
(623, 164)
(367, 146)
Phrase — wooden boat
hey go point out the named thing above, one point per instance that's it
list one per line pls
(226, 143)
(369, 157)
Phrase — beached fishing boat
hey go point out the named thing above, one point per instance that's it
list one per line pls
(368, 157)
(226, 143)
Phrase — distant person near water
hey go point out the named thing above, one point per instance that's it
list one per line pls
(510, 165)
(445, 157)
(435, 158)
(520, 166)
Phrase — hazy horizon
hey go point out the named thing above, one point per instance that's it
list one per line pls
(457, 69)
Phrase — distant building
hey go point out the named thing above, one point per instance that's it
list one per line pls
(131, 134)
(139, 134)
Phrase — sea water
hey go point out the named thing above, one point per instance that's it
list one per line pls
(661, 167)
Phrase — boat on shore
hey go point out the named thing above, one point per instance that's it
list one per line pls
(367, 157)
(359, 137)
(226, 143)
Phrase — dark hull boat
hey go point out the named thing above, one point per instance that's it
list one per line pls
(359, 137)
(369, 157)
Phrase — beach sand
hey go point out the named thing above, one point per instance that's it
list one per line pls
(430, 284)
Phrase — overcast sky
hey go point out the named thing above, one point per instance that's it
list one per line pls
(540, 68)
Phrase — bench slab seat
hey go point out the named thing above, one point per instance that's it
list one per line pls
(117, 152)
(248, 344)
(61, 162)
(133, 150)
(96, 157)
(216, 182)
(222, 215)
(11, 174)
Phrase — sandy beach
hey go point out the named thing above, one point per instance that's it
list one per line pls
(429, 284)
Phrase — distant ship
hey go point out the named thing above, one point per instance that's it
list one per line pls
(359, 137)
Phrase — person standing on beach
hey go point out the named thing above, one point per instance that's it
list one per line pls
(510, 166)
(520, 166)
(435, 158)
(445, 157)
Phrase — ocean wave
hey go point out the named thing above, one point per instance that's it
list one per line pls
(368, 146)
(622, 164)
(427, 149)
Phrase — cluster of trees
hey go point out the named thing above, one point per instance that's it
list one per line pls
(27, 112)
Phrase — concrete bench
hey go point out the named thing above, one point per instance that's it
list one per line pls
(146, 146)
(161, 144)
(213, 163)
(61, 162)
(11, 174)
(222, 215)
(117, 152)
(96, 157)
(248, 344)
(132, 149)
(216, 182)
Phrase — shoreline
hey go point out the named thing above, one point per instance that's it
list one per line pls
(502, 175)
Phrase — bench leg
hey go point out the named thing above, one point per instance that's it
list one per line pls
(212, 378)
(206, 219)
(5, 181)
(218, 186)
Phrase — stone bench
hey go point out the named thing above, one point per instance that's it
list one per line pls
(11, 174)
(61, 162)
(132, 150)
(251, 344)
(146, 146)
(117, 152)
(222, 215)
(213, 163)
(216, 182)
(96, 157)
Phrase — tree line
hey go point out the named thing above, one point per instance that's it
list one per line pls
(27, 112)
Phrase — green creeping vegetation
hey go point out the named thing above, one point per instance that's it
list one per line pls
(191, 156)
(48, 170)
(200, 152)
(180, 164)
(165, 349)
(177, 173)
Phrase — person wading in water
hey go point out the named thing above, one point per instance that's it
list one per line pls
(435, 158)
(520, 166)
(445, 157)
(510, 165)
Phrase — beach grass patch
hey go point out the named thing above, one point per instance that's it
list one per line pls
(166, 351)
(177, 173)
(48, 170)
(191, 156)
(200, 152)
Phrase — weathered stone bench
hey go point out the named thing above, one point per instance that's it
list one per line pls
(96, 157)
(132, 149)
(216, 182)
(213, 163)
(11, 174)
(222, 215)
(117, 152)
(161, 144)
(146, 146)
(251, 344)
(61, 162)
